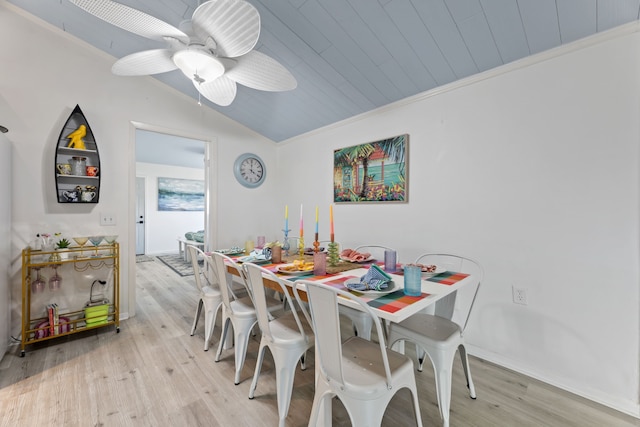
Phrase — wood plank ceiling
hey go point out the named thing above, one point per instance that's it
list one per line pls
(352, 56)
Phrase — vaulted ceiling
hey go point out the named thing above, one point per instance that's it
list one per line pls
(352, 56)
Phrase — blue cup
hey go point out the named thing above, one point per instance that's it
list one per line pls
(412, 280)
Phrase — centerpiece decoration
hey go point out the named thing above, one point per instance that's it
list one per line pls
(316, 243)
(319, 258)
(301, 240)
(334, 256)
(285, 244)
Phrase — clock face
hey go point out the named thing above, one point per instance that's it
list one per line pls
(250, 170)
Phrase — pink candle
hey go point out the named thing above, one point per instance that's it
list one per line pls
(301, 223)
(331, 221)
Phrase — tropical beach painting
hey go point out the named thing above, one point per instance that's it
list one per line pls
(372, 172)
(176, 194)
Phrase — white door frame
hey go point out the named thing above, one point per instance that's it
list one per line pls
(211, 197)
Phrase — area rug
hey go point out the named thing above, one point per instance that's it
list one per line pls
(177, 264)
(144, 258)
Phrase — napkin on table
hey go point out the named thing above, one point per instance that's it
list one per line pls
(375, 280)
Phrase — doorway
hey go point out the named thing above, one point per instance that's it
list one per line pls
(206, 149)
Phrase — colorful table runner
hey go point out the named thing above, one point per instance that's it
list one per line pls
(390, 302)
(447, 278)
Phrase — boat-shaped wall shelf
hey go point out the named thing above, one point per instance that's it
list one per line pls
(77, 162)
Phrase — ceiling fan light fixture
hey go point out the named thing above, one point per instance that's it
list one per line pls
(198, 65)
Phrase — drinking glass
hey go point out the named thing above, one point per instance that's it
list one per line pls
(412, 280)
(81, 241)
(95, 241)
(55, 281)
(38, 284)
(261, 241)
(390, 260)
(319, 263)
(110, 241)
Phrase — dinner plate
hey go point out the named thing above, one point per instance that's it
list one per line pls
(392, 287)
(439, 270)
(358, 262)
(292, 272)
(231, 251)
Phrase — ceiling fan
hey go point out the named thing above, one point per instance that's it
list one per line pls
(213, 49)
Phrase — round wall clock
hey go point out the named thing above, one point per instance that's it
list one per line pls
(250, 170)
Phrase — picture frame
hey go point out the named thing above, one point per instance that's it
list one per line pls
(373, 172)
(176, 194)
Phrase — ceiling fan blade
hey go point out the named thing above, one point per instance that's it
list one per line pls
(234, 26)
(221, 91)
(259, 71)
(131, 19)
(146, 62)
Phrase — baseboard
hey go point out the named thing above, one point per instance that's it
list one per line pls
(625, 406)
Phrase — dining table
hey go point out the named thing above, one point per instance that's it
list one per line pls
(393, 306)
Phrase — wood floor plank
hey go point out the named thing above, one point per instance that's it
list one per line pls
(153, 373)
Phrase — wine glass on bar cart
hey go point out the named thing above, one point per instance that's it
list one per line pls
(56, 280)
(110, 241)
(95, 241)
(81, 241)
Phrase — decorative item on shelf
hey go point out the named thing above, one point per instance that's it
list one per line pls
(61, 246)
(76, 138)
(63, 243)
(63, 168)
(78, 166)
(92, 170)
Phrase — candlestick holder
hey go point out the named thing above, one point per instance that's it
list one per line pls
(285, 245)
(333, 254)
(316, 245)
(301, 248)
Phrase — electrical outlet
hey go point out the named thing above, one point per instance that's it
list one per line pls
(519, 295)
(107, 219)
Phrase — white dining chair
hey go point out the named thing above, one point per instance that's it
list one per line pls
(364, 375)
(238, 311)
(286, 336)
(209, 297)
(360, 321)
(441, 333)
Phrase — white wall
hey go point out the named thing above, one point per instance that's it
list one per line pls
(44, 74)
(534, 172)
(5, 238)
(163, 227)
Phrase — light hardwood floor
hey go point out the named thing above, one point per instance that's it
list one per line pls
(154, 374)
